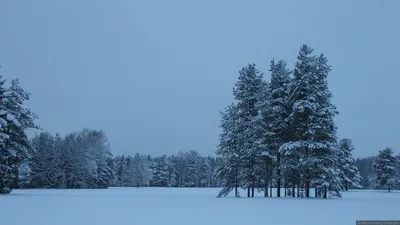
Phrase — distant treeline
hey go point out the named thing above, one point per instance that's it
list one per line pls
(381, 171)
(84, 160)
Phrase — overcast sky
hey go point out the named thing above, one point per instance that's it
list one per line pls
(154, 75)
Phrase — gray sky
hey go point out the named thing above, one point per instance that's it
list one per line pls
(155, 74)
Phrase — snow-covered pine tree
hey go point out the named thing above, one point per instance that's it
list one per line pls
(302, 105)
(119, 165)
(180, 165)
(201, 168)
(138, 176)
(45, 164)
(313, 136)
(350, 174)
(73, 162)
(58, 151)
(246, 92)
(127, 176)
(275, 112)
(160, 172)
(88, 161)
(172, 170)
(15, 119)
(229, 149)
(99, 150)
(105, 172)
(212, 179)
(385, 165)
(326, 150)
(192, 169)
(205, 177)
(141, 171)
(261, 139)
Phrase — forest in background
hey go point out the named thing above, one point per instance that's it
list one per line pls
(278, 133)
(84, 160)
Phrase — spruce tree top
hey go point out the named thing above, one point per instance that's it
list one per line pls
(249, 84)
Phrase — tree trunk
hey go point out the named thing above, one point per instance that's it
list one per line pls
(346, 184)
(298, 188)
(236, 181)
(248, 191)
(265, 191)
(307, 187)
(266, 179)
(325, 192)
(252, 190)
(285, 186)
(293, 188)
(316, 194)
(278, 175)
(307, 183)
(389, 189)
(270, 191)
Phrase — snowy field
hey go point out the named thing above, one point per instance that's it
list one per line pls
(174, 206)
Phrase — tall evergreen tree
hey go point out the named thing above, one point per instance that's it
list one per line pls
(350, 174)
(15, 119)
(385, 165)
(276, 112)
(141, 171)
(119, 166)
(325, 143)
(46, 162)
(229, 149)
(173, 170)
(160, 172)
(127, 175)
(99, 154)
(193, 169)
(246, 92)
(313, 132)
(263, 138)
(58, 152)
(73, 164)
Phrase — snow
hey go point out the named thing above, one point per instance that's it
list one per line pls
(12, 118)
(194, 206)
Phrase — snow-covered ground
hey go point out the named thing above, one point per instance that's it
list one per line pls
(178, 206)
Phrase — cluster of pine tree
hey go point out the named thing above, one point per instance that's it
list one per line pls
(78, 160)
(282, 132)
(186, 169)
(381, 171)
